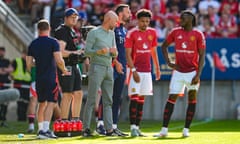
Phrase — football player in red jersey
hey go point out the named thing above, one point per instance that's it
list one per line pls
(190, 46)
(141, 46)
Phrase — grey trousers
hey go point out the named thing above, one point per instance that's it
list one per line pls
(99, 77)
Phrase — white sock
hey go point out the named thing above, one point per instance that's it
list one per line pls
(40, 126)
(46, 125)
(100, 122)
(114, 126)
(133, 126)
(186, 129)
(31, 126)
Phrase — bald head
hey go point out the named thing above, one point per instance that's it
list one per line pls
(110, 15)
(110, 20)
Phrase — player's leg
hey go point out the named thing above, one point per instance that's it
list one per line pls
(66, 83)
(176, 89)
(77, 94)
(146, 89)
(107, 91)
(31, 113)
(32, 107)
(52, 93)
(76, 104)
(96, 75)
(133, 91)
(117, 100)
(99, 113)
(192, 101)
(40, 118)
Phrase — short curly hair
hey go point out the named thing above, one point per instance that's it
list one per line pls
(143, 13)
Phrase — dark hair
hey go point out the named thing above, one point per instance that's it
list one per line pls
(43, 25)
(120, 8)
(187, 12)
(143, 13)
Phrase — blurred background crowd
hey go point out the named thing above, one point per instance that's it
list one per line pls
(216, 18)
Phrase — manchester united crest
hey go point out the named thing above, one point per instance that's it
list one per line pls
(133, 90)
(150, 37)
(192, 38)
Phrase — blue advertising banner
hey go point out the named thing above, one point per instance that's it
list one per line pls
(228, 51)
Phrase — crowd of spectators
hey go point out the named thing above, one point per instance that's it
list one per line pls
(216, 18)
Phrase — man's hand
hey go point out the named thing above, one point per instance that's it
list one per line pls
(158, 74)
(103, 51)
(195, 80)
(113, 51)
(119, 67)
(65, 72)
(173, 66)
(136, 77)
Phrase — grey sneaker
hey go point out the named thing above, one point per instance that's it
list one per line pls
(111, 133)
(119, 132)
(134, 133)
(87, 133)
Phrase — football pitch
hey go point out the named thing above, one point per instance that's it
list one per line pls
(202, 132)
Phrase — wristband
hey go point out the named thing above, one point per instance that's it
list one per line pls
(133, 69)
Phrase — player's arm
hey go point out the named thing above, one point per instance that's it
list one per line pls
(165, 55)
(118, 66)
(60, 62)
(29, 63)
(156, 62)
(131, 65)
(201, 61)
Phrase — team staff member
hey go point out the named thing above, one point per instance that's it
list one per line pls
(101, 48)
(190, 47)
(22, 81)
(124, 16)
(70, 85)
(141, 46)
(46, 53)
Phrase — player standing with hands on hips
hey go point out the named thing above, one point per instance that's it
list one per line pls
(190, 47)
(141, 45)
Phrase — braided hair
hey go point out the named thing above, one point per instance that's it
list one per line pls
(194, 20)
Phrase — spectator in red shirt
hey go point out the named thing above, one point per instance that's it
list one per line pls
(227, 26)
(209, 30)
(233, 6)
(174, 14)
(149, 4)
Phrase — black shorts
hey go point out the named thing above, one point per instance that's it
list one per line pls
(47, 91)
(71, 82)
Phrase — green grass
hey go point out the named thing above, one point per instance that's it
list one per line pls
(202, 132)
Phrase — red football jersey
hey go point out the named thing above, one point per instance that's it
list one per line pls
(187, 44)
(141, 43)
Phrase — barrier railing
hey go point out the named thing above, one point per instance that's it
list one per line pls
(15, 24)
